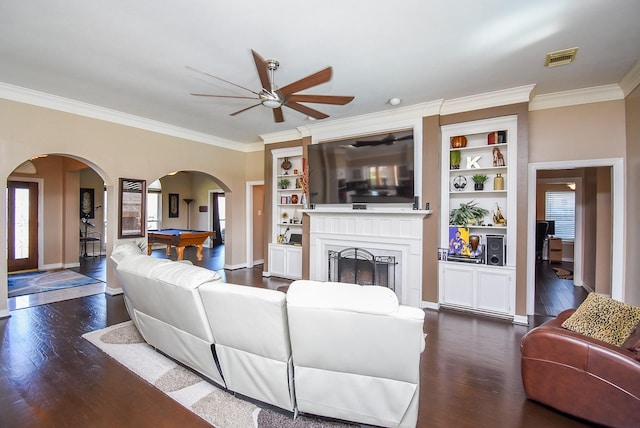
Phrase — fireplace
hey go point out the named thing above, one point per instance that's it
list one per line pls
(382, 232)
(359, 266)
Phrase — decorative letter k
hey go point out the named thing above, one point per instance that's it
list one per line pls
(473, 163)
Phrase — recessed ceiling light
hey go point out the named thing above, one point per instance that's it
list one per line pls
(562, 57)
(395, 101)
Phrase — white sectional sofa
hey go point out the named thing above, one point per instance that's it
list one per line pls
(337, 350)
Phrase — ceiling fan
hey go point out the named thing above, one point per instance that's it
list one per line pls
(387, 140)
(273, 97)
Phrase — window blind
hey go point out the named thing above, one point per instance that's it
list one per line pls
(561, 207)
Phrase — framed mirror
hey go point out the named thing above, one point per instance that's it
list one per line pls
(132, 215)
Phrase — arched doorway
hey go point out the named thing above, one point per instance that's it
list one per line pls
(191, 200)
(66, 202)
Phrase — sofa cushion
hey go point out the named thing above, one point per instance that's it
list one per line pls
(604, 319)
(342, 296)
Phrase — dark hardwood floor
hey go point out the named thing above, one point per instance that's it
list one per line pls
(51, 377)
(553, 295)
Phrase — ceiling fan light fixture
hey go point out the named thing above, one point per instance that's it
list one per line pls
(271, 103)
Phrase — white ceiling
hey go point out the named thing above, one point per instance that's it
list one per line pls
(131, 56)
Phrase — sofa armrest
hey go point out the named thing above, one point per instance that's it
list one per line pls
(554, 343)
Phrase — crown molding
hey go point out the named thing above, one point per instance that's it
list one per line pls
(576, 97)
(279, 137)
(631, 80)
(42, 99)
(520, 94)
(383, 120)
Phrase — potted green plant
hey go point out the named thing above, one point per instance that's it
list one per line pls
(478, 180)
(284, 183)
(467, 214)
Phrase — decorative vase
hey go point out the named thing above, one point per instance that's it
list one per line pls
(294, 199)
(454, 159)
(458, 142)
(303, 201)
(498, 182)
(474, 241)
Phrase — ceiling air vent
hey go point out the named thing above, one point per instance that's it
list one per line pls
(562, 57)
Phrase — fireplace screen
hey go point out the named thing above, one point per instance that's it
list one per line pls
(359, 266)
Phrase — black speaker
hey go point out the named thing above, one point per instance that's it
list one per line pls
(495, 250)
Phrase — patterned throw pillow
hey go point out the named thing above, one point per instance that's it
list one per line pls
(603, 318)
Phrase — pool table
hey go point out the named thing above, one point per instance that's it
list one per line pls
(178, 238)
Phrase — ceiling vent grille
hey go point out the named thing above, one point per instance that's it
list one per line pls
(562, 57)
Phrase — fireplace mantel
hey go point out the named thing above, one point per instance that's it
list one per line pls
(386, 230)
(368, 212)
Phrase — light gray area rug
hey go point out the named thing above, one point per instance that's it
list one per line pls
(20, 284)
(220, 408)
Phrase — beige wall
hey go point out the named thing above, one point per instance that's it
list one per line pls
(632, 273)
(588, 131)
(119, 151)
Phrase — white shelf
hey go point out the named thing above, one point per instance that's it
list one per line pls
(486, 287)
(285, 260)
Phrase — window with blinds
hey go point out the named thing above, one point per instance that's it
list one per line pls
(561, 207)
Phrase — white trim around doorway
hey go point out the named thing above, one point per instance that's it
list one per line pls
(249, 222)
(618, 222)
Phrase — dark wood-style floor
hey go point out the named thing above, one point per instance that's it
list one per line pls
(51, 377)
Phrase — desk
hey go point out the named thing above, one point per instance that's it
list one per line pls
(178, 238)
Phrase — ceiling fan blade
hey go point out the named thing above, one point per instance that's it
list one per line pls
(223, 80)
(224, 96)
(310, 81)
(306, 110)
(261, 66)
(244, 109)
(278, 117)
(406, 137)
(321, 99)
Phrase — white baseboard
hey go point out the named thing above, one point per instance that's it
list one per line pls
(235, 267)
(52, 266)
(112, 291)
(430, 305)
(521, 320)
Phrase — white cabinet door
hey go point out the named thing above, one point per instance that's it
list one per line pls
(294, 262)
(285, 261)
(277, 260)
(457, 285)
(494, 291)
(486, 289)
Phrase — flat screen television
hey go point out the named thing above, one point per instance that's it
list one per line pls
(373, 169)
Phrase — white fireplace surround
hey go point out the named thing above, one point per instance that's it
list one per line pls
(391, 232)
